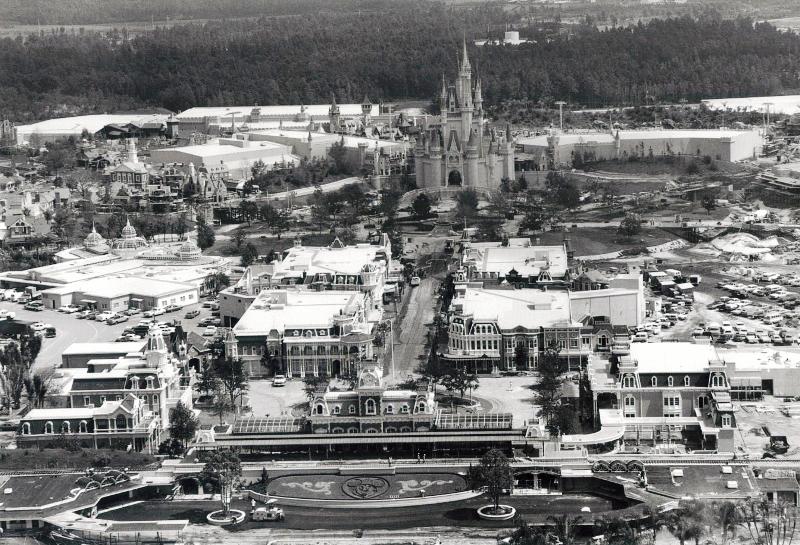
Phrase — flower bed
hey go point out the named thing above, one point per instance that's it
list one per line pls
(348, 487)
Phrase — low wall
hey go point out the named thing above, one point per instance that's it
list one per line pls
(369, 504)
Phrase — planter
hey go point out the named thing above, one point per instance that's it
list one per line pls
(487, 512)
(218, 518)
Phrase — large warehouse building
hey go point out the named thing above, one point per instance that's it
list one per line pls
(557, 150)
(237, 155)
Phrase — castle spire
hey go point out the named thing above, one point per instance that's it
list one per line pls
(465, 67)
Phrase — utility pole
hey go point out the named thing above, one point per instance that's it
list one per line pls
(561, 115)
(767, 105)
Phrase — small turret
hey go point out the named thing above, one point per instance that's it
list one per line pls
(478, 100)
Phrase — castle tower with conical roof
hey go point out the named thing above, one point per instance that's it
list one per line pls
(456, 149)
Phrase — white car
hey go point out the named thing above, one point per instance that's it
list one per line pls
(7, 315)
(103, 316)
(157, 311)
(279, 380)
(210, 331)
(38, 326)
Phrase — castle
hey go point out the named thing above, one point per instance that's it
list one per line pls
(458, 149)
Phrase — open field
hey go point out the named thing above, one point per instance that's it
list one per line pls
(604, 240)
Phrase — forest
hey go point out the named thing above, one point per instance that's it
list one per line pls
(398, 52)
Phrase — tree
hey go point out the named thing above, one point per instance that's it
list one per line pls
(182, 424)
(205, 380)
(249, 211)
(726, 517)
(433, 370)
(631, 225)
(238, 238)
(768, 522)
(220, 403)
(466, 204)
(688, 521)
(232, 375)
(355, 197)
(312, 383)
(421, 206)
(547, 392)
(499, 204)
(216, 281)
(223, 471)
(616, 530)
(38, 386)
(249, 254)
(205, 235)
(521, 355)
(494, 474)
(565, 527)
(458, 380)
(709, 203)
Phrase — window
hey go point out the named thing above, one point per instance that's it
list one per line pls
(670, 381)
(320, 409)
(87, 401)
(672, 405)
(369, 406)
(26, 429)
(389, 409)
(48, 427)
(134, 383)
(630, 406)
(352, 409)
(404, 409)
(602, 341)
(628, 381)
(102, 399)
(717, 381)
(702, 401)
(337, 409)
(653, 381)
(82, 427)
(421, 407)
(65, 428)
(686, 381)
(726, 421)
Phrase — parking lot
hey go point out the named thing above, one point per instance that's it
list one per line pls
(70, 329)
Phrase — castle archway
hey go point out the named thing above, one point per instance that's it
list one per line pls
(454, 179)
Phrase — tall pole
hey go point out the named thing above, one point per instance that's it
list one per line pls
(561, 115)
(391, 345)
(767, 104)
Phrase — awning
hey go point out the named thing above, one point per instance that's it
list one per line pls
(89, 301)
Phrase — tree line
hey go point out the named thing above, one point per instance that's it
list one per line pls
(268, 61)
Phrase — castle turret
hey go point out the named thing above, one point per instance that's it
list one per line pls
(334, 115)
(173, 127)
(366, 110)
(132, 157)
(471, 156)
(478, 100)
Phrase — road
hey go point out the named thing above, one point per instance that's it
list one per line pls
(409, 344)
(300, 192)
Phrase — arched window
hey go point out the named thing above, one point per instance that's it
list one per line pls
(82, 427)
(134, 383)
(48, 427)
(352, 409)
(629, 406)
(389, 409)
(702, 401)
(26, 429)
(653, 381)
(628, 381)
(337, 409)
(369, 406)
(670, 381)
(65, 427)
(421, 407)
(391, 430)
(686, 381)
(320, 409)
(150, 382)
(717, 381)
(372, 430)
(352, 430)
(121, 422)
(404, 409)
(338, 430)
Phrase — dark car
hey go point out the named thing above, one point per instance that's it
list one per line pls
(172, 308)
(192, 314)
(35, 306)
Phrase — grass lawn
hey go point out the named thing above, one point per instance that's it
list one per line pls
(32, 458)
(673, 166)
(266, 243)
(604, 240)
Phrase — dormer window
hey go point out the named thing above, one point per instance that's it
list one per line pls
(134, 383)
(670, 381)
(717, 381)
(628, 381)
(686, 381)
(369, 407)
(48, 427)
(404, 409)
(337, 409)
(421, 407)
(319, 409)
(26, 429)
(65, 427)
(352, 409)
(653, 381)
(389, 409)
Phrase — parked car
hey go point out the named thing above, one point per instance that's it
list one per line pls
(279, 380)
(7, 315)
(35, 306)
(83, 314)
(71, 309)
(133, 311)
(210, 331)
(171, 308)
(49, 331)
(157, 311)
(192, 314)
(268, 514)
(117, 319)
(103, 316)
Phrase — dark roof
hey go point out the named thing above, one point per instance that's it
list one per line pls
(99, 383)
